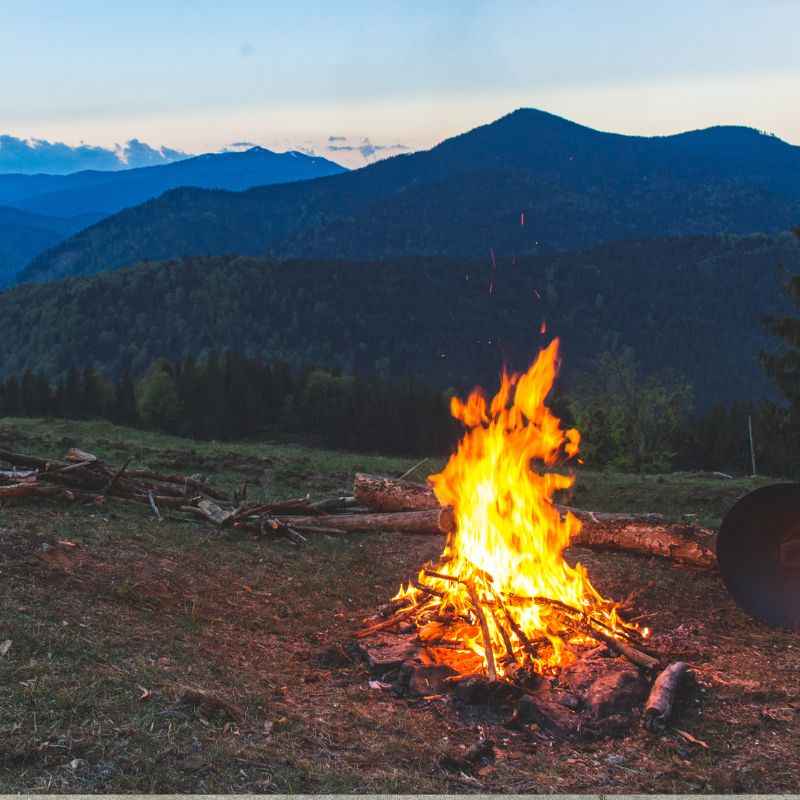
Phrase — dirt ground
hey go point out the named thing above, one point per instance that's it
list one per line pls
(113, 616)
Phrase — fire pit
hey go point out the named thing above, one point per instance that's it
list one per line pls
(501, 616)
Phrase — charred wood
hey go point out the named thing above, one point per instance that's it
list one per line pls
(658, 708)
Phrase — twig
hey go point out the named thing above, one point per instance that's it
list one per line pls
(487, 642)
(427, 589)
(442, 577)
(409, 471)
(154, 506)
(117, 475)
(506, 638)
(400, 616)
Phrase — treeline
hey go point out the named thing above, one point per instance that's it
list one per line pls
(231, 396)
(635, 421)
(630, 420)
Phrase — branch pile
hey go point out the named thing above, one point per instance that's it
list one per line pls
(377, 504)
(83, 476)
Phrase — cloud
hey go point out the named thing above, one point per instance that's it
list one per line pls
(38, 155)
(366, 148)
(242, 144)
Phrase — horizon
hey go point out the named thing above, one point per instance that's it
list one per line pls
(357, 83)
(149, 155)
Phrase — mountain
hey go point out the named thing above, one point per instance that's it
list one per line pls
(572, 185)
(450, 322)
(23, 235)
(98, 192)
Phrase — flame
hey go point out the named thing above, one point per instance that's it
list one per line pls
(501, 589)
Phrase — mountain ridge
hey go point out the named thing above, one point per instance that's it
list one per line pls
(575, 187)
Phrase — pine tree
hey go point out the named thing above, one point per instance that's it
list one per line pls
(73, 400)
(158, 402)
(12, 398)
(125, 401)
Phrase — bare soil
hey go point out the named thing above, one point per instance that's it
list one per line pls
(169, 657)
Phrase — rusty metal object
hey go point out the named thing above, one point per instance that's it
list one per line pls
(758, 551)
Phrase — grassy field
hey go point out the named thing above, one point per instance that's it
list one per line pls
(113, 615)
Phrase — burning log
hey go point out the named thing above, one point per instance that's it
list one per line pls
(645, 534)
(658, 708)
(511, 598)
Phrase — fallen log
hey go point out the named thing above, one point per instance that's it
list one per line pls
(18, 489)
(23, 460)
(658, 708)
(430, 521)
(179, 480)
(645, 534)
(391, 494)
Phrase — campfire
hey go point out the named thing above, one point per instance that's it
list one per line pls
(501, 613)
(501, 596)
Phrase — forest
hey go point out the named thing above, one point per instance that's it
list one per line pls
(689, 305)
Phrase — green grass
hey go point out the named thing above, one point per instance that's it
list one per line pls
(104, 602)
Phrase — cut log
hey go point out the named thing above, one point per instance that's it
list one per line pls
(78, 456)
(390, 494)
(646, 534)
(658, 708)
(431, 521)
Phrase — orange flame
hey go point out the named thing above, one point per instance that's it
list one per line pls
(501, 579)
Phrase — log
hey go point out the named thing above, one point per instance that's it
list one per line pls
(431, 521)
(23, 460)
(658, 708)
(179, 480)
(390, 494)
(17, 489)
(646, 534)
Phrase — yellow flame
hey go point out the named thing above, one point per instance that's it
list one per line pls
(506, 551)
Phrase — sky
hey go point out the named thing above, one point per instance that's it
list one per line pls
(356, 81)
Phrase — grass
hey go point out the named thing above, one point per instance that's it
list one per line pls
(112, 615)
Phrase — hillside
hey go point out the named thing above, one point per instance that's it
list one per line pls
(23, 235)
(93, 191)
(575, 187)
(450, 322)
(39, 211)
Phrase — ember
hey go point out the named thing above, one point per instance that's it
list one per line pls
(501, 599)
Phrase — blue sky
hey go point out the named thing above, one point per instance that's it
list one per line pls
(197, 76)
